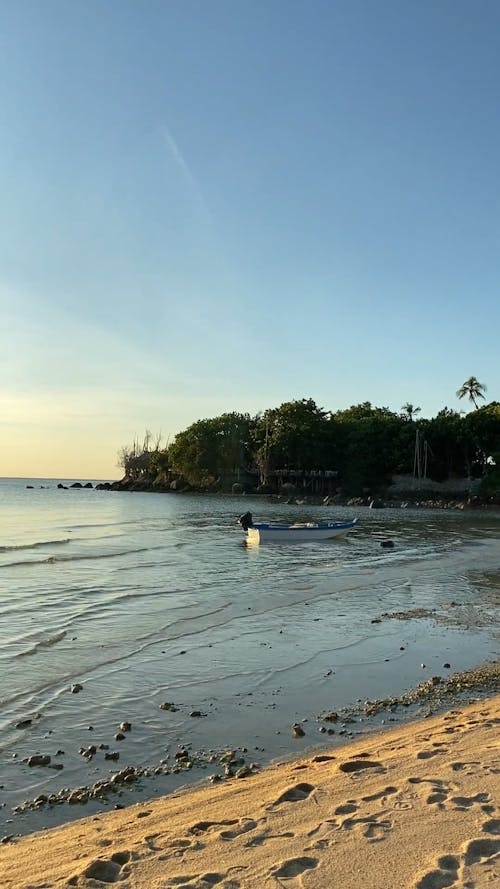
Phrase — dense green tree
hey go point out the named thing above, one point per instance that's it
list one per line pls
(291, 436)
(483, 430)
(444, 436)
(213, 449)
(366, 444)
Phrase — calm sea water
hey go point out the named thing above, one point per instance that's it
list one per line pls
(147, 598)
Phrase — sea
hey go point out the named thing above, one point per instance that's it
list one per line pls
(149, 612)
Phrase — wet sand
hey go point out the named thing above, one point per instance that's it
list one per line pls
(416, 806)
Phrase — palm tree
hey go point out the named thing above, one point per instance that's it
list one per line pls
(409, 410)
(473, 389)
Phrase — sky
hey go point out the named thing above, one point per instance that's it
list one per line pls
(223, 205)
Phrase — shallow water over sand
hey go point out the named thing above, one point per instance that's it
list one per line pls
(144, 599)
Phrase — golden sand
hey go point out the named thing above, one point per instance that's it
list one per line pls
(416, 807)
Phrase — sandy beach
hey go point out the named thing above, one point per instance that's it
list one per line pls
(416, 806)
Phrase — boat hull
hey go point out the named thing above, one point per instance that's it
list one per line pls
(308, 532)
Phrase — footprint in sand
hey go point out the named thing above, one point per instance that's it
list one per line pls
(463, 766)
(441, 795)
(204, 826)
(372, 827)
(357, 765)
(106, 870)
(204, 881)
(294, 794)
(473, 867)
(260, 838)
(492, 826)
(428, 754)
(322, 757)
(445, 874)
(243, 826)
(440, 790)
(293, 867)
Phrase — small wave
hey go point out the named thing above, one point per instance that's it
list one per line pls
(38, 543)
(50, 560)
(43, 643)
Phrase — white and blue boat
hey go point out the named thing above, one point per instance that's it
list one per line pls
(300, 532)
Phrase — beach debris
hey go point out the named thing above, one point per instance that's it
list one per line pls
(78, 796)
(182, 755)
(38, 759)
(88, 752)
(329, 716)
(297, 730)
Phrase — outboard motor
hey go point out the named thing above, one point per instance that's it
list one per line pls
(246, 520)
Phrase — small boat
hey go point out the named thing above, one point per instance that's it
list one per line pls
(262, 532)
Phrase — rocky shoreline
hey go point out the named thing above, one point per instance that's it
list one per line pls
(432, 697)
(404, 498)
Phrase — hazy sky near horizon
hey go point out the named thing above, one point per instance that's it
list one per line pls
(222, 205)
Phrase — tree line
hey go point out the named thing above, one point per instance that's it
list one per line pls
(363, 445)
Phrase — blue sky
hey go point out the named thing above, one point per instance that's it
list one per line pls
(218, 205)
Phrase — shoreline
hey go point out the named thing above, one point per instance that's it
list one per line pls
(439, 495)
(427, 788)
(193, 768)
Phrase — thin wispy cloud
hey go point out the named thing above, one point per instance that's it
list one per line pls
(187, 173)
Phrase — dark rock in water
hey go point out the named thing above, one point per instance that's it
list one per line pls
(76, 485)
(24, 723)
(330, 716)
(125, 726)
(297, 730)
(38, 759)
(387, 544)
(30, 487)
(76, 688)
(63, 487)
(88, 485)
